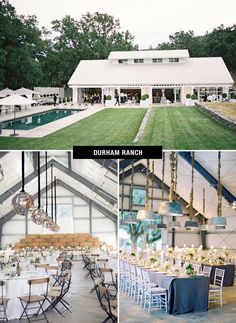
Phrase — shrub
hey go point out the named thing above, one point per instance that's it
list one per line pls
(234, 96)
(144, 97)
(224, 95)
(193, 97)
(109, 97)
(188, 96)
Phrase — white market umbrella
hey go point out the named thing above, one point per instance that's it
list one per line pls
(15, 99)
(24, 91)
(6, 92)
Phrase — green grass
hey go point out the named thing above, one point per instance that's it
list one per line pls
(186, 128)
(172, 127)
(108, 127)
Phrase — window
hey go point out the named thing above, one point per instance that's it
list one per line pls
(174, 60)
(157, 60)
(123, 61)
(138, 61)
(139, 196)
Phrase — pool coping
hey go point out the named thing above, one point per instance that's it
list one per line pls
(54, 126)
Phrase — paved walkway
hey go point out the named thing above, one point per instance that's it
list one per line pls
(51, 127)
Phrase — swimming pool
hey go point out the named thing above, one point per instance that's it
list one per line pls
(37, 120)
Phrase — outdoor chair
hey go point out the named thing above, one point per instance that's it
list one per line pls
(36, 300)
(3, 302)
(56, 295)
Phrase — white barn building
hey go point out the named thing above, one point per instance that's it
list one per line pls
(162, 74)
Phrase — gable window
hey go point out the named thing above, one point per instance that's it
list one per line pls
(139, 61)
(123, 61)
(174, 60)
(157, 60)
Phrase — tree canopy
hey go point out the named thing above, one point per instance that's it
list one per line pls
(33, 56)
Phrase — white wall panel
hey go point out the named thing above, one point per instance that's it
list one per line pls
(81, 226)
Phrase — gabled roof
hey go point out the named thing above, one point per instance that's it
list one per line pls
(203, 71)
(180, 53)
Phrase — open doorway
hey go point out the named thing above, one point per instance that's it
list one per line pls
(130, 96)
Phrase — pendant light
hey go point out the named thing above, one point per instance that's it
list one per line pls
(129, 219)
(22, 202)
(162, 225)
(55, 226)
(204, 226)
(47, 219)
(175, 224)
(171, 208)
(38, 215)
(1, 173)
(146, 214)
(219, 221)
(191, 224)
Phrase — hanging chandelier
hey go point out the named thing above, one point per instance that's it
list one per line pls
(22, 202)
(171, 207)
(219, 222)
(191, 224)
(146, 214)
(38, 214)
(49, 223)
(203, 226)
(1, 173)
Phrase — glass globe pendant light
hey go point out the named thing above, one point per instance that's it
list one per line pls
(191, 224)
(22, 202)
(38, 214)
(219, 222)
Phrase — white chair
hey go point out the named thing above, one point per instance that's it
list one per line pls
(207, 271)
(197, 268)
(155, 297)
(133, 284)
(127, 274)
(215, 290)
(140, 287)
(122, 275)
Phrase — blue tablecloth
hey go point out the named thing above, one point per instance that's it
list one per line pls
(229, 274)
(185, 295)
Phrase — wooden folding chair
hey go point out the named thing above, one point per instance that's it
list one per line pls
(38, 300)
(3, 302)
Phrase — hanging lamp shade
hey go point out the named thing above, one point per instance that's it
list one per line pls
(218, 221)
(22, 202)
(145, 215)
(171, 208)
(1, 173)
(174, 225)
(191, 225)
(38, 215)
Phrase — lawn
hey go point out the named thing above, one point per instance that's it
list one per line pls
(172, 127)
(108, 127)
(184, 128)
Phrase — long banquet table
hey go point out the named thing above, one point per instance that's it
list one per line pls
(185, 294)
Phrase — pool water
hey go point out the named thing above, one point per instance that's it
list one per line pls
(37, 120)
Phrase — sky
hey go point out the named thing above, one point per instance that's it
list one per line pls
(150, 21)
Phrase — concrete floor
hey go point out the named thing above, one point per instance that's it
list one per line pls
(132, 313)
(85, 306)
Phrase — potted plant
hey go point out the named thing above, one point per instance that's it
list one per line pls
(188, 99)
(110, 102)
(145, 100)
(224, 96)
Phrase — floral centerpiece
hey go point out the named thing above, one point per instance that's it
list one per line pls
(190, 271)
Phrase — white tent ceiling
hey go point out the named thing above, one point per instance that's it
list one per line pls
(98, 176)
